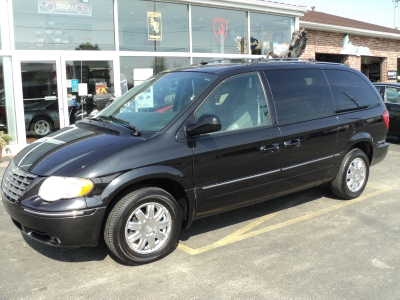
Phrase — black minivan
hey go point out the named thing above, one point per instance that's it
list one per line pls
(192, 142)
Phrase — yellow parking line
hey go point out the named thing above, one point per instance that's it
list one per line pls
(394, 152)
(241, 234)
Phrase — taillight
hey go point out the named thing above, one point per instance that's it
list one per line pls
(386, 118)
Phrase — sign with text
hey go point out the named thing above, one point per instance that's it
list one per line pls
(392, 74)
(74, 85)
(65, 7)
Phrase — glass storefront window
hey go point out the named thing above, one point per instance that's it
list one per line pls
(270, 33)
(217, 30)
(138, 69)
(98, 77)
(39, 90)
(7, 106)
(64, 25)
(153, 26)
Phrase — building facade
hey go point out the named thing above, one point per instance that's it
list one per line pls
(55, 52)
(372, 49)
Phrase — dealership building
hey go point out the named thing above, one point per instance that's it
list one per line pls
(55, 52)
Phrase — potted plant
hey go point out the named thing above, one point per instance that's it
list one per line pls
(4, 139)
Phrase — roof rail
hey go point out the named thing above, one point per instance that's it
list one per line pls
(290, 59)
(266, 60)
(238, 60)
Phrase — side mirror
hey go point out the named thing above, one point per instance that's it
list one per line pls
(206, 123)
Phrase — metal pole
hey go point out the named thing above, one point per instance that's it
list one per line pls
(396, 14)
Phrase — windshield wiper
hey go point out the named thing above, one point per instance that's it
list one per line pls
(127, 124)
(98, 119)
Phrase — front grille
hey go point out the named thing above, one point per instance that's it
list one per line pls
(15, 182)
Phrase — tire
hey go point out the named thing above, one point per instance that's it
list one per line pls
(353, 175)
(41, 127)
(143, 226)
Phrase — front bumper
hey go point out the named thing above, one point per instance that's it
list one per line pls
(63, 229)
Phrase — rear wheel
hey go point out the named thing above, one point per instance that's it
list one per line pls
(353, 175)
(143, 226)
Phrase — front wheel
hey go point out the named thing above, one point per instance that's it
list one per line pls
(353, 175)
(143, 226)
(41, 126)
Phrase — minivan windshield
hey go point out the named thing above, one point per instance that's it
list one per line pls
(155, 103)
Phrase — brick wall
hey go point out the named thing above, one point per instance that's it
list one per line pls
(331, 43)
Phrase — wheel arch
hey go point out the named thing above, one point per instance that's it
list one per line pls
(45, 116)
(169, 179)
(364, 142)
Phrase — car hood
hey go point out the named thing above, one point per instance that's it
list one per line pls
(69, 150)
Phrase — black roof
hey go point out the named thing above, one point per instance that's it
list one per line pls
(257, 64)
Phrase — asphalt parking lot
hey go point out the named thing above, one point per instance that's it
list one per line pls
(309, 245)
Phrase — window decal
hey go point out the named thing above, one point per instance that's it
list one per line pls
(220, 27)
(154, 26)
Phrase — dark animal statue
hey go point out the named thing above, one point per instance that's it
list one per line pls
(296, 47)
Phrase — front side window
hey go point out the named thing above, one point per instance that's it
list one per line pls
(239, 102)
(64, 25)
(153, 26)
(155, 103)
(300, 95)
(350, 91)
(217, 30)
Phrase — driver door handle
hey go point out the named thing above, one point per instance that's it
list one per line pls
(290, 144)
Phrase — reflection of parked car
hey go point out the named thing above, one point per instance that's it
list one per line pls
(390, 93)
(41, 118)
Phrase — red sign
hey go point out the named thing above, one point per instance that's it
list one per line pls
(220, 27)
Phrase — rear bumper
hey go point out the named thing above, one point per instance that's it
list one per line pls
(380, 151)
(62, 229)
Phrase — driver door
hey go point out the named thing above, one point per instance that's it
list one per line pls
(241, 163)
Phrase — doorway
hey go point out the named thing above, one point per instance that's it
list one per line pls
(371, 67)
(89, 86)
(40, 98)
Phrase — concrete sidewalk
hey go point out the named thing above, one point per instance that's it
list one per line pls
(5, 160)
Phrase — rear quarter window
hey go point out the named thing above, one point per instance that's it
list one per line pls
(300, 95)
(350, 91)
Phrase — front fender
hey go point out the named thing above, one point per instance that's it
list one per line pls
(139, 175)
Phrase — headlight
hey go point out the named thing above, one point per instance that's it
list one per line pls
(56, 188)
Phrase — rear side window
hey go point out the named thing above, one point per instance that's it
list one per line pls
(350, 91)
(300, 95)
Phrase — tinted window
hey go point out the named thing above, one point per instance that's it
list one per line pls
(300, 95)
(239, 102)
(350, 91)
